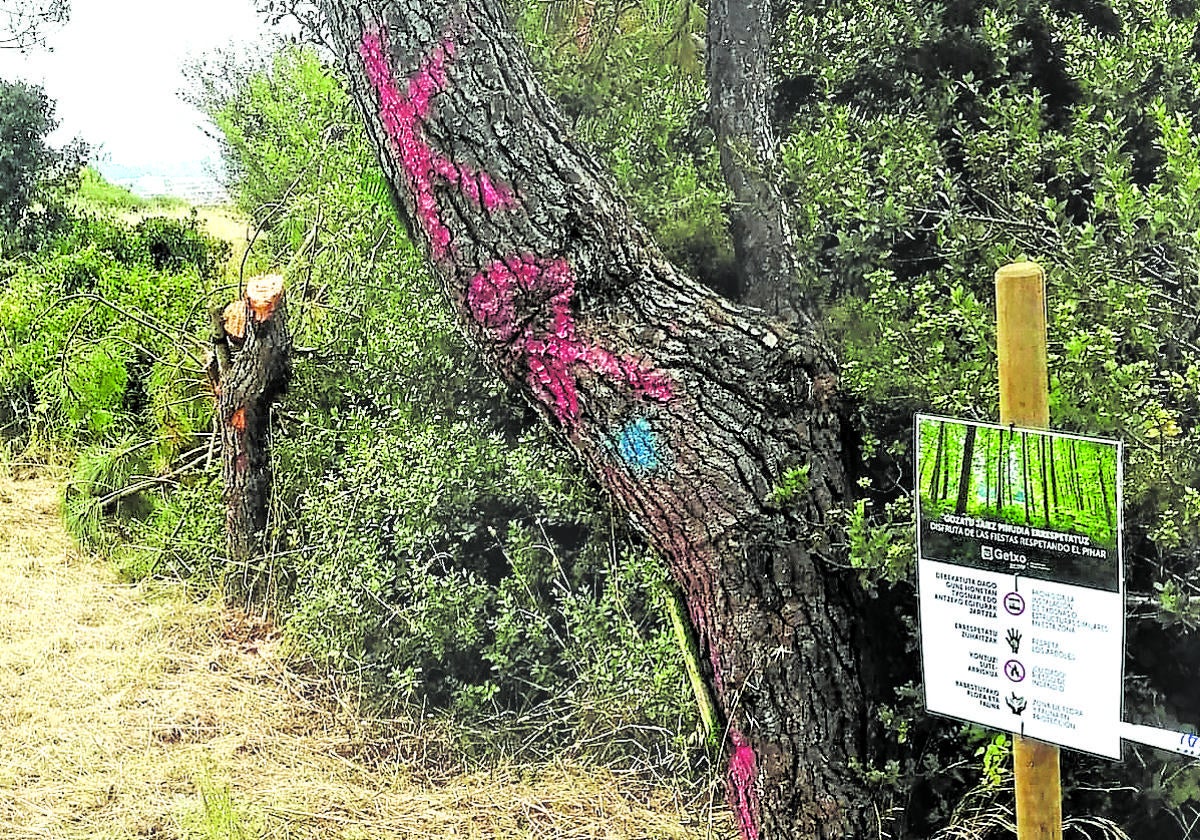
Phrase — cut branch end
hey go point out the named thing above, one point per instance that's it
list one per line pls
(234, 320)
(263, 294)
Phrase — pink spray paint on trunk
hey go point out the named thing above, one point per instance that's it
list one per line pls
(403, 114)
(542, 335)
(743, 776)
(548, 344)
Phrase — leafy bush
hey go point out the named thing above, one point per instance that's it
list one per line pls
(100, 357)
(182, 536)
(173, 245)
(26, 118)
(35, 179)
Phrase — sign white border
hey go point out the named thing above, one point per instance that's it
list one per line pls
(1065, 686)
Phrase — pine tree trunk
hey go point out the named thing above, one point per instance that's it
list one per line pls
(1108, 508)
(738, 73)
(686, 408)
(253, 350)
(1075, 478)
(1001, 474)
(987, 470)
(1053, 478)
(947, 468)
(935, 486)
(1042, 443)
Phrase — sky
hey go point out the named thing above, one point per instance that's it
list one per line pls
(116, 69)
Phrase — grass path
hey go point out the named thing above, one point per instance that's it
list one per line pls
(134, 712)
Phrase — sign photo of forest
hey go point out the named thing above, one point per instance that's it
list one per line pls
(1029, 502)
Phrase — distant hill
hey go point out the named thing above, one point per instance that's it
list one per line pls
(200, 191)
(193, 182)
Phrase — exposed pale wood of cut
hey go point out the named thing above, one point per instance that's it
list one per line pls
(263, 294)
(234, 319)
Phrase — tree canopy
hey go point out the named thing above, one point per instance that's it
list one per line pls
(24, 23)
(26, 120)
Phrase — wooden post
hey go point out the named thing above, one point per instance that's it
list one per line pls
(1025, 401)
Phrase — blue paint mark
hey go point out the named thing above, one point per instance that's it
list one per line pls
(638, 446)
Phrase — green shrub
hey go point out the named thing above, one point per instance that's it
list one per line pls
(92, 506)
(174, 245)
(100, 341)
(26, 160)
(181, 537)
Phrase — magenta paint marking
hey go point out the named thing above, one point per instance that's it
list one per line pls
(403, 114)
(743, 774)
(549, 345)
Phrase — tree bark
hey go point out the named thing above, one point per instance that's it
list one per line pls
(1108, 508)
(1045, 480)
(688, 409)
(987, 470)
(252, 351)
(946, 468)
(1053, 477)
(740, 91)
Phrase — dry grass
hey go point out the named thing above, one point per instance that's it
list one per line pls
(134, 712)
(225, 223)
(984, 813)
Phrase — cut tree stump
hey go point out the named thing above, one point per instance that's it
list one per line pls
(252, 357)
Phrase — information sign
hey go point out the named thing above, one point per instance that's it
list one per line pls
(1020, 579)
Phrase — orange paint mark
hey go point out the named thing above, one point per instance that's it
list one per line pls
(238, 420)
